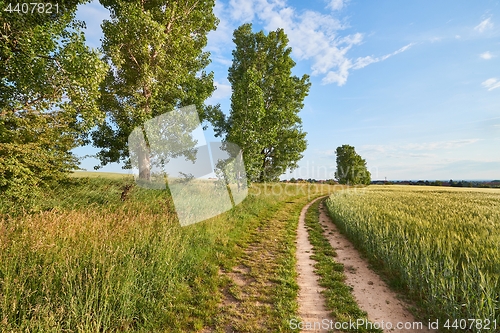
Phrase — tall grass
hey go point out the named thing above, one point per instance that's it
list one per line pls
(103, 268)
(87, 262)
(442, 245)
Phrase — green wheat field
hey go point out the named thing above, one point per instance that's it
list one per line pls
(441, 245)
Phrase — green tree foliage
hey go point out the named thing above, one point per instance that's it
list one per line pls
(351, 168)
(265, 103)
(49, 84)
(155, 52)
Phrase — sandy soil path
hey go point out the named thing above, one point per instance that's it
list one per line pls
(370, 291)
(311, 302)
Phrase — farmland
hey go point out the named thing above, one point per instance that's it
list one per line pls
(441, 246)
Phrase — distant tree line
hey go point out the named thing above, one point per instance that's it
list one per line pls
(311, 181)
(451, 183)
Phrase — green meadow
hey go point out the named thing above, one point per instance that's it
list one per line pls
(85, 261)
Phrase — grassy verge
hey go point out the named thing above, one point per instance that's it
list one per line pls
(87, 261)
(339, 299)
(260, 293)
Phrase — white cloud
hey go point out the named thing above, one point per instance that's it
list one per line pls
(484, 25)
(422, 155)
(336, 4)
(486, 55)
(365, 61)
(313, 36)
(224, 32)
(439, 144)
(339, 76)
(241, 10)
(327, 153)
(93, 14)
(410, 148)
(223, 91)
(221, 60)
(491, 83)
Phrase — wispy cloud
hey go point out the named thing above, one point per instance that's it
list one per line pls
(422, 155)
(484, 25)
(242, 10)
(222, 36)
(486, 55)
(223, 91)
(410, 148)
(336, 4)
(314, 37)
(416, 150)
(365, 61)
(93, 14)
(327, 153)
(451, 144)
(491, 83)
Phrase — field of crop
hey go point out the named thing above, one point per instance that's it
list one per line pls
(442, 245)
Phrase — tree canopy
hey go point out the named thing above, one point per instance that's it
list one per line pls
(48, 92)
(351, 168)
(265, 103)
(154, 49)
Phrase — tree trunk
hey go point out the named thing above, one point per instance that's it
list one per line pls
(263, 170)
(144, 164)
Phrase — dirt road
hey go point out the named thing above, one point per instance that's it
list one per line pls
(370, 291)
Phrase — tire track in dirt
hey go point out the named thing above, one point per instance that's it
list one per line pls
(311, 301)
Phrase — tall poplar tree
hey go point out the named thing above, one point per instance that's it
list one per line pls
(265, 103)
(155, 52)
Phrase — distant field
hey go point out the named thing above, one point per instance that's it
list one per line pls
(117, 175)
(94, 174)
(441, 244)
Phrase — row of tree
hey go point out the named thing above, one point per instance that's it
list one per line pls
(56, 93)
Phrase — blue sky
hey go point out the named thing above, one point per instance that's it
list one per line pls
(413, 86)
